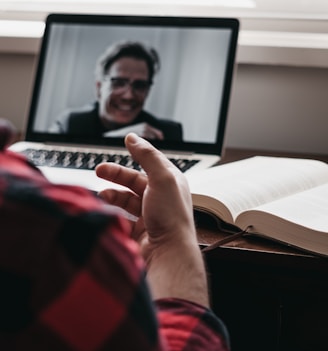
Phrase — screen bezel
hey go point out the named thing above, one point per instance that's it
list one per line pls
(208, 148)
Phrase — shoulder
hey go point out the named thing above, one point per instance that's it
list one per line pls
(30, 188)
(81, 120)
(69, 247)
(52, 209)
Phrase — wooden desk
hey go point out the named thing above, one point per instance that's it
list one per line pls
(271, 297)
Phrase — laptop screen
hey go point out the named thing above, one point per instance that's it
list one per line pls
(79, 97)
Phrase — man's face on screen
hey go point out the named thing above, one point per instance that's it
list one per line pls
(123, 91)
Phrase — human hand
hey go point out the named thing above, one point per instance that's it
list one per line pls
(165, 229)
(160, 198)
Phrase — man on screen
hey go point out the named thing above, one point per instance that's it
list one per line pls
(124, 75)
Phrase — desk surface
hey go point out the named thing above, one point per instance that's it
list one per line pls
(254, 246)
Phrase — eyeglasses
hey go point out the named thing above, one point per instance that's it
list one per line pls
(120, 85)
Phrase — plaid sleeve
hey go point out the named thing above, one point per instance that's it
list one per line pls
(71, 278)
(189, 326)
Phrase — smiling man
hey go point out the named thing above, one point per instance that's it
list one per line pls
(124, 76)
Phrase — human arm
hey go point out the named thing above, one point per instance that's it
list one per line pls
(72, 278)
(165, 229)
(166, 234)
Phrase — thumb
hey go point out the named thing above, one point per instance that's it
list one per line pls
(144, 153)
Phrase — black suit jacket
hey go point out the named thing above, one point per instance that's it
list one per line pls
(86, 122)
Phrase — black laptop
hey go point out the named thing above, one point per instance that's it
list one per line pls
(191, 89)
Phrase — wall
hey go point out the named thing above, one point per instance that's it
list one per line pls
(16, 81)
(281, 108)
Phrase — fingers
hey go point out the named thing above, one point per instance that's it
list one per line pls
(132, 179)
(126, 200)
(163, 182)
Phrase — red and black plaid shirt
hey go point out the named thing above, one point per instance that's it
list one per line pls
(72, 279)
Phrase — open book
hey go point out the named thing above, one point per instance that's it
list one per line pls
(285, 199)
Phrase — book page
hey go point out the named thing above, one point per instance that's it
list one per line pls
(252, 182)
(300, 220)
(308, 209)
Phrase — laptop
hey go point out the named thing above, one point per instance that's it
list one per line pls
(191, 90)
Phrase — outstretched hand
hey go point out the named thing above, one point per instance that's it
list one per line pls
(165, 230)
(160, 197)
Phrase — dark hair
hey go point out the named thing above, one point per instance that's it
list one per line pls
(128, 49)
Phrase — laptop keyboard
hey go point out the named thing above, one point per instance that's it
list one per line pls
(89, 160)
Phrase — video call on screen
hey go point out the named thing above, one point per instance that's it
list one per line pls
(188, 87)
